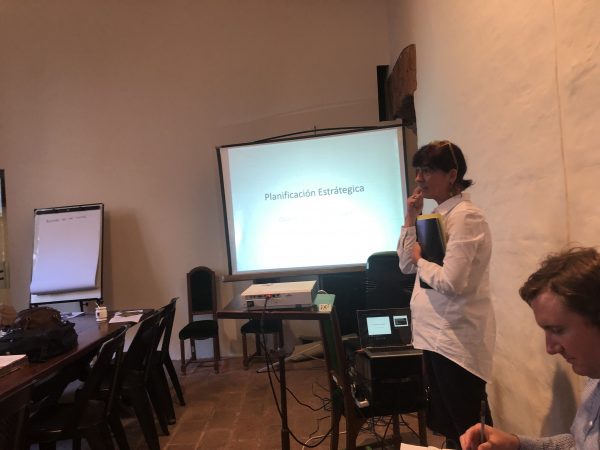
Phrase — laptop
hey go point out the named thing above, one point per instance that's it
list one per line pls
(385, 332)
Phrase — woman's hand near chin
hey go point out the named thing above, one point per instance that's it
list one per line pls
(414, 207)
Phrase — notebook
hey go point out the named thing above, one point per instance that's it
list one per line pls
(384, 332)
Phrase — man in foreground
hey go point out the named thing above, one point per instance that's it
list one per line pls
(564, 294)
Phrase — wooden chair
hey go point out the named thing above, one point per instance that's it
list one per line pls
(153, 375)
(202, 301)
(13, 413)
(343, 401)
(86, 417)
(260, 328)
(165, 356)
(161, 363)
(136, 387)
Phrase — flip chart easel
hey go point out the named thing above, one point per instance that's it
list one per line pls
(67, 254)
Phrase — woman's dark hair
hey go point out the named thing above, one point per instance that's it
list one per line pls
(573, 275)
(443, 155)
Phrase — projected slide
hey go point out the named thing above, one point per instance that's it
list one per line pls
(324, 201)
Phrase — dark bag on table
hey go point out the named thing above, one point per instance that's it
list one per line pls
(40, 333)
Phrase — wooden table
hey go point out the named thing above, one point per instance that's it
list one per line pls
(322, 317)
(90, 336)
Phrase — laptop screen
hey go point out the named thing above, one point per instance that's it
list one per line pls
(384, 327)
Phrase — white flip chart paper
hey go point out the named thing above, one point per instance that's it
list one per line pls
(66, 251)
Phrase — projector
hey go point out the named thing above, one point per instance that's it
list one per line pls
(295, 294)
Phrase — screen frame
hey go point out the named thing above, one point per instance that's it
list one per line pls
(4, 280)
(301, 135)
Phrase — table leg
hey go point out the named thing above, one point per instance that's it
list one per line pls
(285, 432)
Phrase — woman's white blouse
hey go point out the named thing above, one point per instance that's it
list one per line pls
(455, 318)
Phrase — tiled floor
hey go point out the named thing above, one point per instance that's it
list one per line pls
(235, 410)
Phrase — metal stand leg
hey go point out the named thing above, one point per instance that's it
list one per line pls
(285, 432)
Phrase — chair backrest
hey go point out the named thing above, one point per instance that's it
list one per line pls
(13, 412)
(167, 313)
(386, 285)
(143, 345)
(106, 366)
(202, 291)
(335, 358)
(349, 291)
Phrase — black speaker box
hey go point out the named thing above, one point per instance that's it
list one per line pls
(393, 384)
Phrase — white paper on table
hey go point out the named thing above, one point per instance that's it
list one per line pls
(6, 360)
(71, 315)
(127, 316)
(10, 363)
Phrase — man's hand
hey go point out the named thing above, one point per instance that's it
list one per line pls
(494, 439)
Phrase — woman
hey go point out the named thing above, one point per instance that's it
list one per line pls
(452, 315)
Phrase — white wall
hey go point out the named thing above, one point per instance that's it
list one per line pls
(515, 84)
(124, 102)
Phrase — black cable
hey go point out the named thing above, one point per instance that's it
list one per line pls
(325, 400)
(378, 438)
(291, 433)
(269, 368)
(409, 427)
(372, 422)
(370, 425)
(387, 427)
(269, 363)
(310, 436)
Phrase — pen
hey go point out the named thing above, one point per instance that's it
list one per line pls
(482, 422)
